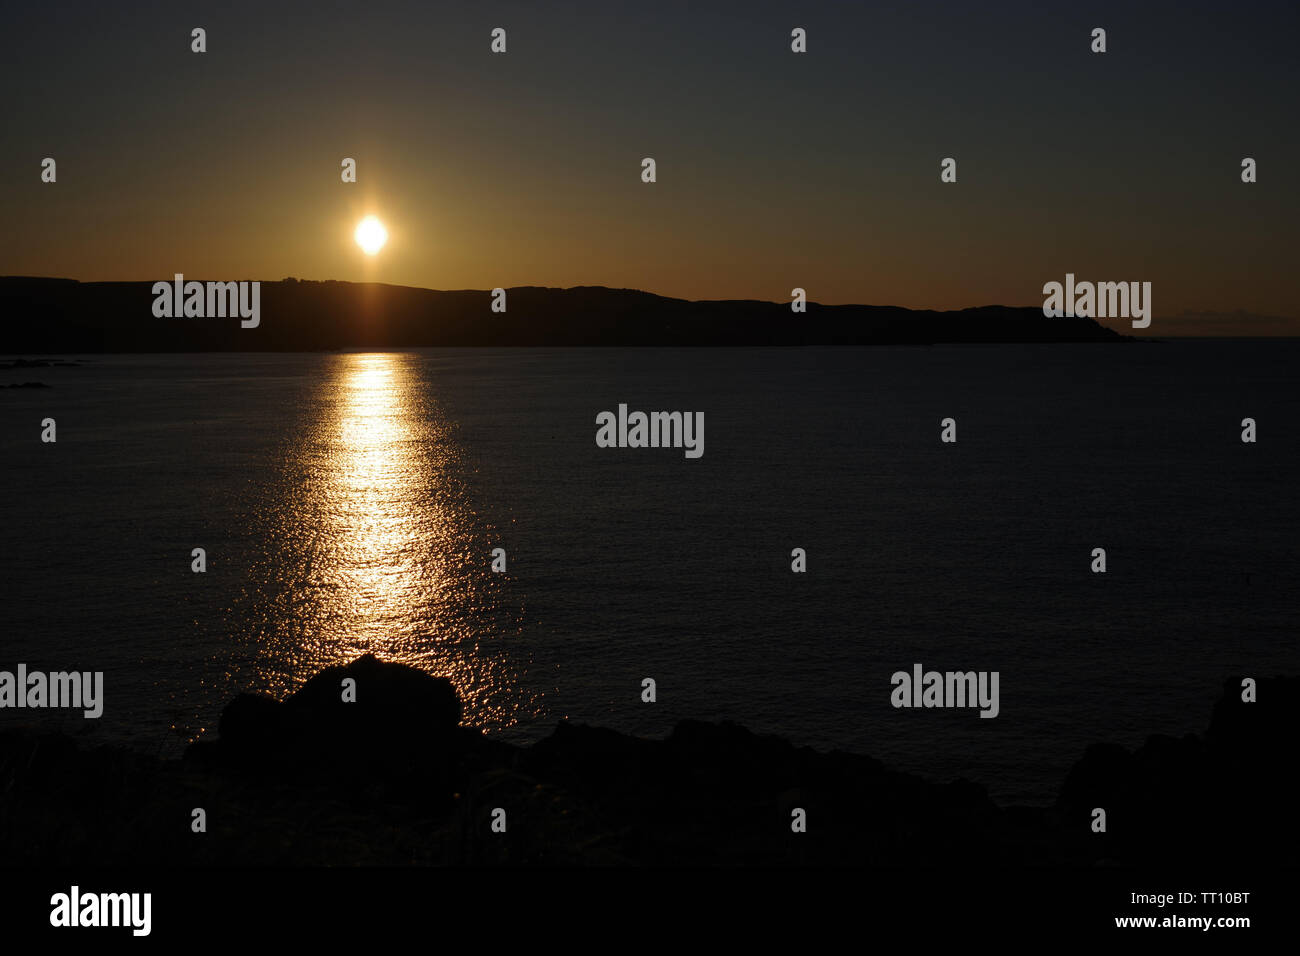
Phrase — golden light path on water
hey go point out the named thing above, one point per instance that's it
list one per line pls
(376, 548)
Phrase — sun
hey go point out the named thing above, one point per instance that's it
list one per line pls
(371, 235)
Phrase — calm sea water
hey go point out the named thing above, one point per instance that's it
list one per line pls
(350, 503)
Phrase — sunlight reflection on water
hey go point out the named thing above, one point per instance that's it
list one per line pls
(374, 548)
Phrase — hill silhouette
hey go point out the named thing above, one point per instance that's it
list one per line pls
(63, 315)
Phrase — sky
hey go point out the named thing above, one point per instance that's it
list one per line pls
(774, 169)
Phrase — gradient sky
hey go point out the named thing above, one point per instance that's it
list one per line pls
(775, 170)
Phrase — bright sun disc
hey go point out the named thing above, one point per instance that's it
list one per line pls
(371, 235)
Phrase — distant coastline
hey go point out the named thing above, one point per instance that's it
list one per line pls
(61, 316)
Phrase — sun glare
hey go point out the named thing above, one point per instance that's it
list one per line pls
(371, 235)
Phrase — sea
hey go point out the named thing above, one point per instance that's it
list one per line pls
(356, 502)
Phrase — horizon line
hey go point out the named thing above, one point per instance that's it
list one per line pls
(1187, 319)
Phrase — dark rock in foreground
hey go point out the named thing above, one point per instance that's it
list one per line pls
(396, 710)
(1228, 796)
(393, 778)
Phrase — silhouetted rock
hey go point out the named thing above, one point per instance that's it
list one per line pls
(391, 718)
(1197, 799)
(250, 721)
(394, 779)
(392, 699)
(1268, 723)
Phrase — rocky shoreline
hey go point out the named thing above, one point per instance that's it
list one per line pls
(393, 779)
